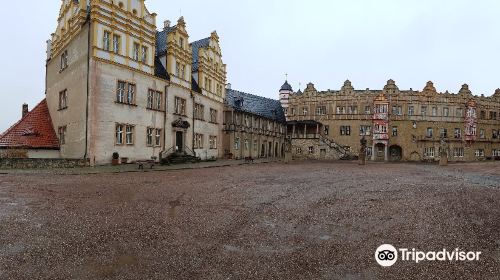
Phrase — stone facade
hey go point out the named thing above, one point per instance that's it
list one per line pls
(399, 124)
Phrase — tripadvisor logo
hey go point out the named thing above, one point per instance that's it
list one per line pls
(387, 255)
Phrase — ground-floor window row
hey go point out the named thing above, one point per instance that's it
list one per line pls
(457, 152)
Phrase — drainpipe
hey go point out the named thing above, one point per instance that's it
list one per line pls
(88, 91)
(164, 144)
(192, 142)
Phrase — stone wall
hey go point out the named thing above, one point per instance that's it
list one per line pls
(32, 163)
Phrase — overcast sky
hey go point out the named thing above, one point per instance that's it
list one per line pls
(450, 42)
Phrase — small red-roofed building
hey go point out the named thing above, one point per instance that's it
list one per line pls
(31, 137)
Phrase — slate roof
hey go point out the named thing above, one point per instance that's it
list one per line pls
(34, 131)
(257, 105)
(203, 43)
(161, 40)
(160, 70)
(286, 86)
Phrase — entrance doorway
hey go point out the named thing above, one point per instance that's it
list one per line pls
(380, 152)
(396, 153)
(179, 141)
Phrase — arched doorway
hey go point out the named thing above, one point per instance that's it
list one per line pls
(395, 153)
(379, 152)
(263, 150)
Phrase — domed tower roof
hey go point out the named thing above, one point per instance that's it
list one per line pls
(286, 86)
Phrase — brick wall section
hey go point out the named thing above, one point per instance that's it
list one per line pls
(29, 163)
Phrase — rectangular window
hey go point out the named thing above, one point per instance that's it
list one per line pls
(180, 106)
(429, 152)
(63, 100)
(434, 111)
(120, 92)
(159, 100)
(368, 110)
(459, 113)
(64, 60)
(340, 110)
(151, 97)
(119, 134)
(149, 136)
(158, 137)
(298, 150)
(352, 109)
(213, 142)
(458, 133)
(237, 143)
(144, 54)
(365, 130)
(430, 132)
(482, 134)
(131, 94)
(480, 153)
(495, 153)
(423, 111)
(458, 152)
(345, 130)
(135, 51)
(62, 135)
(106, 40)
(116, 43)
(311, 149)
(443, 133)
(411, 110)
(247, 145)
(482, 115)
(255, 146)
(495, 134)
(199, 111)
(321, 110)
(213, 115)
(183, 72)
(397, 110)
(446, 112)
(129, 134)
(304, 111)
(326, 129)
(394, 131)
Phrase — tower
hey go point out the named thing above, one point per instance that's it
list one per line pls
(285, 91)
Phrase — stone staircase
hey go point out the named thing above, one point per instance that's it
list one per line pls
(187, 156)
(343, 152)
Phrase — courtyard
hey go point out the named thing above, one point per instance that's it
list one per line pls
(304, 220)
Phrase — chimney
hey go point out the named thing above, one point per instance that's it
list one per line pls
(228, 86)
(25, 109)
(166, 24)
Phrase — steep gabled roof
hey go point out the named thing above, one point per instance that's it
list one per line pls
(160, 70)
(254, 104)
(203, 43)
(161, 40)
(33, 131)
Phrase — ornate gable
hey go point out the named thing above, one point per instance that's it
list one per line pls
(72, 15)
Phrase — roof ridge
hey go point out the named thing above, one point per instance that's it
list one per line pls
(255, 95)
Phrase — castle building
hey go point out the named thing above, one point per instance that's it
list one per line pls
(116, 84)
(399, 125)
(254, 126)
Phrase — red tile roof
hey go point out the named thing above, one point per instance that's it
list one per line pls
(34, 131)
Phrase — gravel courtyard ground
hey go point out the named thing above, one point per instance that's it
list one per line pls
(305, 220)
